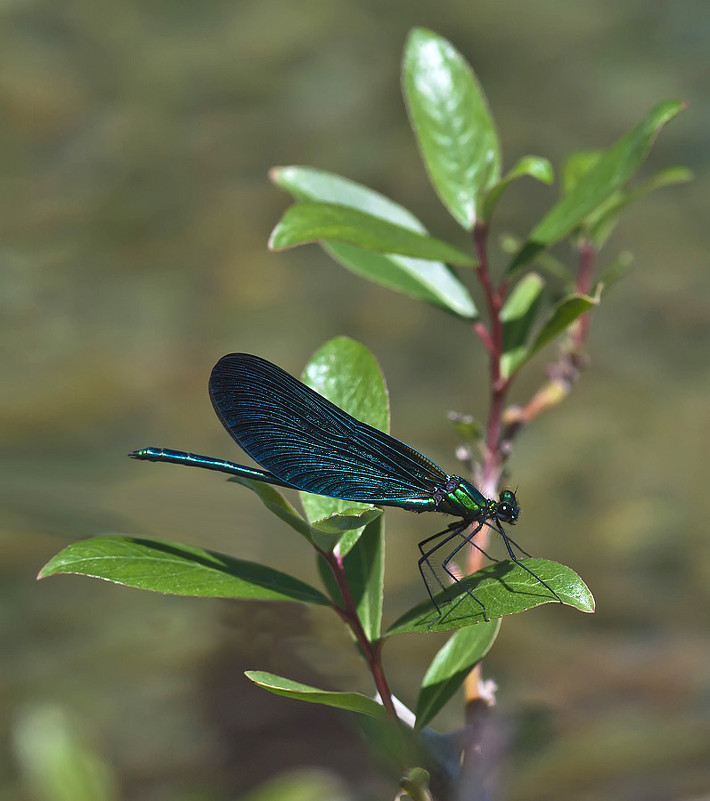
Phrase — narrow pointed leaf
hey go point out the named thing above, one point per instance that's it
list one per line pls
(365, 571)
(275, 502)
(604, 220)
(610, 173)
(430, 281)
(453, 125)
(616, 270)
(530, 166)
(518, 317)
(566, 312)
(353, 702)
(315, 222)
(504, 588)
(450, 667)
(576, 166)
(170, 567)
(561, 318)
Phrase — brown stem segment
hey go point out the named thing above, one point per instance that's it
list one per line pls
(372, 651)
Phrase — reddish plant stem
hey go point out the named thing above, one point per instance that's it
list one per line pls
(493, 341)
(585, 277)
(372, 651)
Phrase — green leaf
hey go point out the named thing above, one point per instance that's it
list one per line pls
(454, 128)
(430, 281)
(504, 588)
(177, 569)
(467, 427)
(353, 702)
(275, 502)
(576, 166)
(347, 374)
(365, 571)
(518, 317)
(616, 270)
(313, 222)
(604, 220)
(609, 174)
(58, 760)
(333, 529)
(562, 316)
(450, 667)
(532, 166)
(415, 783)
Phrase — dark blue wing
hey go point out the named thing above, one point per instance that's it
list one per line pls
(306, 440)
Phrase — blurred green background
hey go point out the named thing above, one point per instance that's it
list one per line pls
(136, 139)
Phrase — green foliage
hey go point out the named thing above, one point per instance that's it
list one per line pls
(604, 174)
(278, 685)
(505, 588)
(431, 281)
(454, 128)
(169, 567)
(449, 668)
(311, 222)
(381, 241)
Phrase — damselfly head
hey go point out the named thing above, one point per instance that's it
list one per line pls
(507, 509)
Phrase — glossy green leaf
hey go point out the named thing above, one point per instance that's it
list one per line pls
(610, 173)
(309, 184)
(315, 222)
(430, 281)
(454, 128)
(172, 568)
(518, 317)
(347, 374)
(504, 588)
(562, 316)
(275, 502)
(450, 667)
(604, 220)
(353, 702)
(365, 571)
(528, 166)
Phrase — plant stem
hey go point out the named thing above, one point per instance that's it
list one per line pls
(371, 651)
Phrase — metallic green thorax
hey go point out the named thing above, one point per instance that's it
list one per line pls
(460, 498)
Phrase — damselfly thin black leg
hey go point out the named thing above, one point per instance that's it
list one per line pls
(445, 565)
(522, 550)
(507, 541)
(450, 531)
(455, 531)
